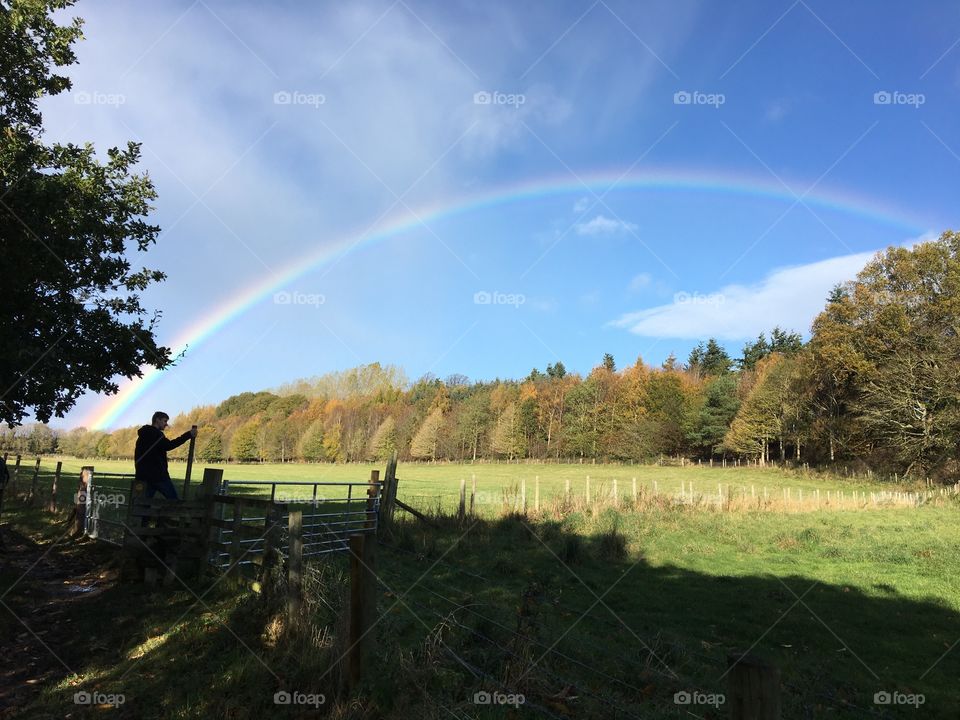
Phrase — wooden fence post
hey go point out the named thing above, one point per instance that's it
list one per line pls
(294, 564)
(462, 509)
(209, 489)
(363, 599)
(82, 499)
(473, 493)
(186, 475)
(388, 492)
(754, 688)
(34, 495)
(373, 494)
(634, 490)
(52, 503)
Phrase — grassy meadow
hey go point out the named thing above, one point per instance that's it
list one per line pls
(499, 486)
(585, 610)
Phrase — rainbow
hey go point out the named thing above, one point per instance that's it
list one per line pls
(106, 413)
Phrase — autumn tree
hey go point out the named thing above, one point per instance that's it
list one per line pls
(243, 445)
(424, 443)
(311, 446)
(886, 349)
(384, 441)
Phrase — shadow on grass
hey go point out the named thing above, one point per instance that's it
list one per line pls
(578, 623)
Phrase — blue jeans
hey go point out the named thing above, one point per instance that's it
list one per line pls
(164, 487)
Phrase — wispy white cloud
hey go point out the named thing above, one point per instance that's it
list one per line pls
(790, 297)
(777, 110)
(602, 225)
(640, 282)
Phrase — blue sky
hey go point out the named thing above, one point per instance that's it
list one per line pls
(693, 169)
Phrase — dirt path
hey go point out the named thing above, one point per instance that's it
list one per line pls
(46, 590)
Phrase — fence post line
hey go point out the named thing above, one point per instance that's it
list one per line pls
(473, 492)
(634, 490)
(294, 564)
(363, 598)
(616, 494)
(53, 489)
(462, 508)
(754, 688)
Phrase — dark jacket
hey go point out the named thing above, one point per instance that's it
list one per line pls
(150, 453)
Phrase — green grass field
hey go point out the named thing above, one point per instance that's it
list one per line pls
(426, 486)
(588, 611)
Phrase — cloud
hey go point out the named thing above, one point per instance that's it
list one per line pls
(602, 225)
(640, 282)
(582, 204)
(777, 111)
(790, 297)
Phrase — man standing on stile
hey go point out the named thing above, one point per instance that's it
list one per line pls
(150, 456)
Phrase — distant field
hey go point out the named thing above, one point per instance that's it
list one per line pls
(499, 485)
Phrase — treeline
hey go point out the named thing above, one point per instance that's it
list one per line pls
(877, 384)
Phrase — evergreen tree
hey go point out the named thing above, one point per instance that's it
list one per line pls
(715, 415)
